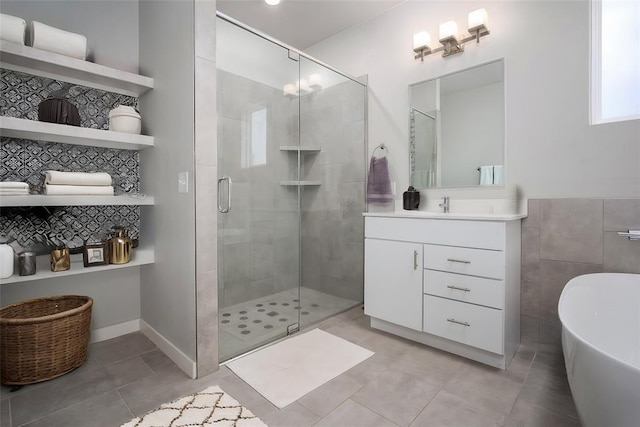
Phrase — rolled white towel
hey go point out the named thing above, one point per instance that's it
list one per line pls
(58, 41)
(77, 178)
(14, 185)
(78, 190)
(12, 28)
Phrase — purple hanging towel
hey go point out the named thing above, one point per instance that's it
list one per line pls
(379, 184)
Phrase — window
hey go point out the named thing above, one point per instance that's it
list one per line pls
(615, 60)
(254, 142)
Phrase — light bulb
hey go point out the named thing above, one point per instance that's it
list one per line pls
(477, 19)
(421, 40)
(448, 30)
(289, 89)
(272, 2)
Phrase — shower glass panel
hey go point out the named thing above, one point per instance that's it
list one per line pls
(291, 167)
(332, 163)
(258, 238)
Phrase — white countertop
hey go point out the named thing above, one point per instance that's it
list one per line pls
(451, 215)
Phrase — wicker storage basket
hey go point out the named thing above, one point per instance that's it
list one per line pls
(43, 338)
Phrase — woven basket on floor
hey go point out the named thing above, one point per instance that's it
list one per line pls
(43, 338)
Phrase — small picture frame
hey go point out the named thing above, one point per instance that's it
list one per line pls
(96, 254)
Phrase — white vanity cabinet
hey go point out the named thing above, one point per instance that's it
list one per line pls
(393, 274)
(451, 282)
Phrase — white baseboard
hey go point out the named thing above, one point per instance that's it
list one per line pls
(174, 353)
(108, 332)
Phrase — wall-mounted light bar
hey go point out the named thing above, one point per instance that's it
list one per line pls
(449, 37)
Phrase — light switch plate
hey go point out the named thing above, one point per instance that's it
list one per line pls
(183, 182)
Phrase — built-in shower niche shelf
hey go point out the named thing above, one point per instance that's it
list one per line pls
(301, 150)
(300, 183)
(140, 256)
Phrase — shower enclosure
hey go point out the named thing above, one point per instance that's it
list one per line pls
(291, 187)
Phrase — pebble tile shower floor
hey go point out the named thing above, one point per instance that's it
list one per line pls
(253, 323)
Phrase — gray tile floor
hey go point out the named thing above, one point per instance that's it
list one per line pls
(403, 384)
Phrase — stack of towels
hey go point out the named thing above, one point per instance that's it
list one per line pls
(77, 183)
(13, 188)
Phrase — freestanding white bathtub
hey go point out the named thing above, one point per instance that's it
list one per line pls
(600, 315)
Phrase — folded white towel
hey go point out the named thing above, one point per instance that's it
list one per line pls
(5, 185)
(486, 175)
(13, 192)
(498, 175)
(12, 28)
(77, 178)
(59, 41)
(85, 190)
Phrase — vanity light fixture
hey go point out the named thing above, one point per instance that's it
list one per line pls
(477, 27)
(303, 86)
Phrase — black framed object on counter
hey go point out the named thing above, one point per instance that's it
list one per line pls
(95, 254)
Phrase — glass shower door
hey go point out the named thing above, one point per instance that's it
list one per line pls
(258, 212)
(332, 166)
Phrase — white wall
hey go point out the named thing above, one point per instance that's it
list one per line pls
(111, 27)
(551, 151)
(167, 54)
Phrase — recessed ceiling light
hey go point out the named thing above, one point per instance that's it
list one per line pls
(272, 2)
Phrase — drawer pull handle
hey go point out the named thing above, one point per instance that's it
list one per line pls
(461, 261)
(458, 289)
(415, 260)
(458, 322)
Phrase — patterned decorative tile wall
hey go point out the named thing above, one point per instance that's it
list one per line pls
(26, 160)
(565, 238)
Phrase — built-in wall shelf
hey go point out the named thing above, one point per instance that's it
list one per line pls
(42, 63)
(44, 200)
(301, 183)
(303, 150)
(42, 131)
(140, 256)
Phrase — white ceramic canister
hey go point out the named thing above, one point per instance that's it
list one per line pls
(6, 261)
(125, 119)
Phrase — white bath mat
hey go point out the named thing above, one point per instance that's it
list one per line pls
(286, 371)
(210, 407)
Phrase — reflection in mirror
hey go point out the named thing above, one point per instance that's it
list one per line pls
(423, 150)
(457, 128)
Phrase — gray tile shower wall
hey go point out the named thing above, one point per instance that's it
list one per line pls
(565, 238)
(25, 160)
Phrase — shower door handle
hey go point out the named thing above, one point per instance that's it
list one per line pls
(228, 208)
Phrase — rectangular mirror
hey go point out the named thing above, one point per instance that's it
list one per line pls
(456, 129)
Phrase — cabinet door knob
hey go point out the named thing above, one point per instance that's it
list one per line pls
(415, 260)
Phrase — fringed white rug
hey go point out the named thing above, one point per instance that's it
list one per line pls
(210, 407)
(286, 371)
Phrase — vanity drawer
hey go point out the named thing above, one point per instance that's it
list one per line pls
(476, 262)
(470, 234)
(469, 324)
(475, 290)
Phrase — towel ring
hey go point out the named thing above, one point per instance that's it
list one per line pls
(381, 147)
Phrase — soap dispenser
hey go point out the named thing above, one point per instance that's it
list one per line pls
(119, 247)
(411, 199)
